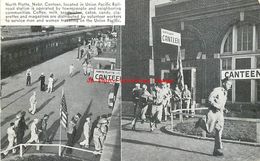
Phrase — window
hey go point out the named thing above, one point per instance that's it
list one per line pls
(226, 63)
(228, 43)
(258, 36)
(245, 38)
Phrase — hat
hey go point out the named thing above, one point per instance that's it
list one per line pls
(144, 86)
(137, 85)
(225, 79)
(42, 73)
(102, 121)
(19, 115)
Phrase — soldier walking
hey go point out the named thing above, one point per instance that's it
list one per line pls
(86, 131)
(34, 133)
(186, 96)
(42, 80)
(33, 103)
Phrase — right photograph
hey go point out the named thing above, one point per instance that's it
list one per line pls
(191, 80)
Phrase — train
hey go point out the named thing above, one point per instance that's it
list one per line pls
(42, 28)
(20, 54)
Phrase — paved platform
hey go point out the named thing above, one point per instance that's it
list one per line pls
(81, 97)
(159, 145)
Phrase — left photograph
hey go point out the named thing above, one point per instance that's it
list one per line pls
(59, 99)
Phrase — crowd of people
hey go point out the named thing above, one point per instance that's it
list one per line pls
(38, 128)
(158, 102)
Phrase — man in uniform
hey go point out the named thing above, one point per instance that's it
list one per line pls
(157, 107)
(176, 99)
(215, 117)
(186, 96)
(11, 138)
(42, 79)
(136, 93)
(34, 134)
(33, 103)
(86, 131)
(28, 77)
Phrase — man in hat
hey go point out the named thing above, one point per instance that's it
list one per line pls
(33, 103)
(28, 77)
(42, 79)
(215, 116)
(86, 131)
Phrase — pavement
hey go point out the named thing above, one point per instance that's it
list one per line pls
(81, 97)
(143, 145)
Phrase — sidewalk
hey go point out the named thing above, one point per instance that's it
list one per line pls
(144, 145)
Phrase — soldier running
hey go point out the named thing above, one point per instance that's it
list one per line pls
(215, 116)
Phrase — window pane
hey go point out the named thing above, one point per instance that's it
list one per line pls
(258, 90)
(239, 39)
(243, 90)
(228, 43)
(243, 63)
(226, 64)
(245, 38)
(258, 35)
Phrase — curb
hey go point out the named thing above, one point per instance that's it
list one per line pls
(166, 129)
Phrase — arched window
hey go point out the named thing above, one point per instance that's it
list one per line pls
(241, 38)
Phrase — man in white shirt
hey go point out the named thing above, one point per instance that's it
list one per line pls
(11, 138)
(33, 103)
(71, 69)
(86, 131)
(34, 134)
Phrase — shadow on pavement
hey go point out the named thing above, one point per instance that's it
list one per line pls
(77, 72)
(162, 146)
(19, 97)
(10, 94)
(59, 85)
(44, 104)
(9, 118)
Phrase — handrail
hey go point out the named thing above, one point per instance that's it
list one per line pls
(54, 145)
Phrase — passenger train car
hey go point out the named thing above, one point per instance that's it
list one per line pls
(18, 55)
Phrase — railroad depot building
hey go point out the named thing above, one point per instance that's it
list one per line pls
(218, 38)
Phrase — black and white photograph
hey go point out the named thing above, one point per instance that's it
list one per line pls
(191, 90)
(51, 107)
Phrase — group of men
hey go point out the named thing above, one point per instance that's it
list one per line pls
(16, 131)
(161, 96)
(98, 131)
(159, 101)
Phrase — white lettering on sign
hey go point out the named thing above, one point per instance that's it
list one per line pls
(170, 37)
(241, 74)
(107, 76)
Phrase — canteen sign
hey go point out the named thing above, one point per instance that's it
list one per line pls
(241, 74)
(170, 37)
(107, 76)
